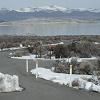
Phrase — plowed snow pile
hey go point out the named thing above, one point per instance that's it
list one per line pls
(9, 83)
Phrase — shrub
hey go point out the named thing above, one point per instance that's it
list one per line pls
(30, 49)
(61, 51)
(98, 63)
(75, 83)
(86, 67)
(61, 67)
(18, 55)
(74, 61)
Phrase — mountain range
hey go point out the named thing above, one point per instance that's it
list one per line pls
(49, 12)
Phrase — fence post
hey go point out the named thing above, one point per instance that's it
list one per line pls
(70, 75)
(27, 65)
(36, 68)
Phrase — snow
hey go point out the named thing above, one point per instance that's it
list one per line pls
(9, 83)
(56, 8)
(85, 59)
(81, 9)
(44, 8)
(80, 59)
(53, 58)
(55, 77)
(21, 45)
(28, 9)
(96, 43)
(56, 44)
(25, 57)
(66, 79)
(53, 8)
(13, 48)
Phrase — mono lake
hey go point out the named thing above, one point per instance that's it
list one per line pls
(50, 29)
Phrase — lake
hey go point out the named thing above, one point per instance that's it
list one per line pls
(51, 29)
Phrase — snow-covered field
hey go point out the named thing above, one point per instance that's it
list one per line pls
(66, 79)
(9, 83)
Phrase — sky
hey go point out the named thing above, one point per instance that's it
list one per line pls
(17, 4)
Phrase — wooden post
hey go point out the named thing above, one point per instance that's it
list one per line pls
(27, 65)
(36, 68)
(70, 69)
(70, 75)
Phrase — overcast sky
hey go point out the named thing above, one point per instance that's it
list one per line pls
(16, 4)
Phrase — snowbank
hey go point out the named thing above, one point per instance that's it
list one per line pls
(56, 77)
(9, 83)
(80, 59)
(66, 79)
(13, 48)
(26, 57)
(96, 43)
(53, 58)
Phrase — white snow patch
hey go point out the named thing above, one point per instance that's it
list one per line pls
(96, 43)
(9, 83)
(79, 59)
(26, 57)
(56, 44)
(66, 79)
(43, 8)
(53, 7)
(28, 9)
(13, 48)
(33, 56)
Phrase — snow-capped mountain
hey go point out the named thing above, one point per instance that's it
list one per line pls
(49, 12)
(28, 9)
(89, 9)
(55, 8)
(44, 8)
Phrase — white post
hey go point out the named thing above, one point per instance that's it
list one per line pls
(36, 68)
(27, 65)
(70, 75)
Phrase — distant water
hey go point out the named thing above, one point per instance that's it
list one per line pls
(52, 29)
